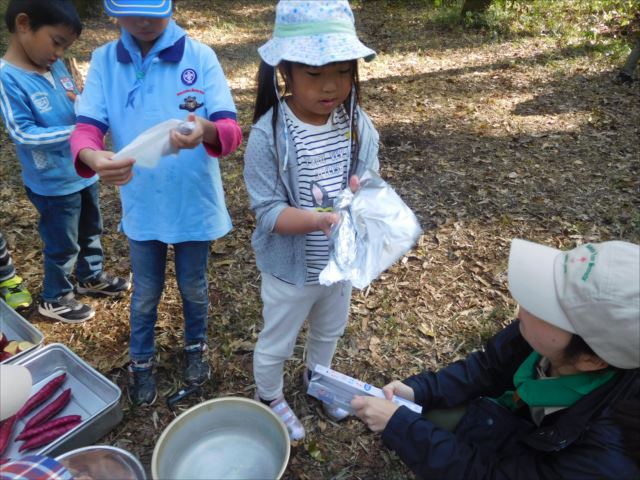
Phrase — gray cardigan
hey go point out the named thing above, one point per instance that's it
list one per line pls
(273, 187)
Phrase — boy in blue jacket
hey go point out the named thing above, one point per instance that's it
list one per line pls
(39, 117)
(556, 394)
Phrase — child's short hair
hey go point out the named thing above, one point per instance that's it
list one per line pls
(42, 13)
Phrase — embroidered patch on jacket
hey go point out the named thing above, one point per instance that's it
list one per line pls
(189, 76)
(67, 84)
(190, 104)
(41, 102)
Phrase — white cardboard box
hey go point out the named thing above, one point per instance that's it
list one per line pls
(335, 388)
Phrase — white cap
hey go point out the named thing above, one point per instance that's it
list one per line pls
(592, 291)
(15, 387)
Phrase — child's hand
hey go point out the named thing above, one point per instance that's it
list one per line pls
(399, 389)
(113, 172)
(180, 141)
(373, 411)
(354, 183)
(325, 220)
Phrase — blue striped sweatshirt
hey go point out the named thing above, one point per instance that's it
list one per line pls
(39, 119)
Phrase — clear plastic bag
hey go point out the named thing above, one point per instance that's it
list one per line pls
(376, 228)
(154, 143)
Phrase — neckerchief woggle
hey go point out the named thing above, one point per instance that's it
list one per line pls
(167, 39)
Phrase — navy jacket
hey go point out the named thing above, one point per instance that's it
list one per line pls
(492, 442)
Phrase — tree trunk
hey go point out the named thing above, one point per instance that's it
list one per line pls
(475, 6)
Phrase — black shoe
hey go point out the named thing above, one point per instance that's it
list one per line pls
(197, 369)
(142, 390)
(104, 284)
(66, 309)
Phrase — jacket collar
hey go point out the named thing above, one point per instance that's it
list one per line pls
(172, 53)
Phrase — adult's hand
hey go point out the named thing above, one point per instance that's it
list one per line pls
(398, 389)
(374, 412)
(113, 172)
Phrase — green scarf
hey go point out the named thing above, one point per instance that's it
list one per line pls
(550, 392)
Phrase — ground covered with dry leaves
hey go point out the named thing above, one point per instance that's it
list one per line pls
(486, 138)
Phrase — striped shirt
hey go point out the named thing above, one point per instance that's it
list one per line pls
(323, 155)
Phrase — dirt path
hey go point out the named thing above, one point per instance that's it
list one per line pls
(485, 140)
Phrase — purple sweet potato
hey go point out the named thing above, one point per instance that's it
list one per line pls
(43, 394)
(48, 436)
(43, 427)
(49, 410)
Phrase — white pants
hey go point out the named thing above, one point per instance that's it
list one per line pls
(285, 308)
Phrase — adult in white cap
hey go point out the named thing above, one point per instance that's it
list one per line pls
(556, 394)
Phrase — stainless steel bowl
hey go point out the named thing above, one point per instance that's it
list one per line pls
(102, 462)
(225, 438)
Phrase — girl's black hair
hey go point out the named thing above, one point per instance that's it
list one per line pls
(266, 99)
(42, 13)
(576, 347)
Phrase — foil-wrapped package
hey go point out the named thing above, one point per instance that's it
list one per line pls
(376, 228)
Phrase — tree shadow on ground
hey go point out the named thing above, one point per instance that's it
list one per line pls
(587, 175)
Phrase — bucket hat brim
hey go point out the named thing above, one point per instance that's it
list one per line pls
(315, 50)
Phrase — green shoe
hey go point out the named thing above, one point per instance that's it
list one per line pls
(15, 294)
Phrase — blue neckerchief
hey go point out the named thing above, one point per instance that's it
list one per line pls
(167, 39)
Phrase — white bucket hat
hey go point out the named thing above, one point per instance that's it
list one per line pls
(592, 291)
(138, 8)
(314, 33)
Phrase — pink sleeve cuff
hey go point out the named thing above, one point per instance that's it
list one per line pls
(85, 136)
(229, 135)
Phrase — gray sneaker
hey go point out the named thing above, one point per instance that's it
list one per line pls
(142, 390)
(66, 309)
(197, 369)
(105, 285)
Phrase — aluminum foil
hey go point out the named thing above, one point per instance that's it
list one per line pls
(376, 228)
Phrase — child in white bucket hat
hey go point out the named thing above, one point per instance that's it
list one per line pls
(308, 142)
(556, 394)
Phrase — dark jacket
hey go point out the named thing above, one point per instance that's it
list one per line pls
(493, 442)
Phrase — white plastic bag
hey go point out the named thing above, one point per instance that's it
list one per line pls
(376, 228)
(151, 145)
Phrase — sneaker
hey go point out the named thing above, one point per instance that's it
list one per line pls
(334, 412)
(15, 294)
(141, 390)
(284, 412)
(104, 284)
(66, 309)
(197, 369)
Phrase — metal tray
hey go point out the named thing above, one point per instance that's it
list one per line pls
(93, 396)
(16, 327)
